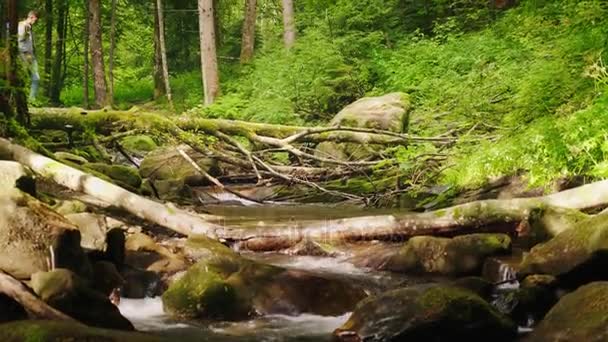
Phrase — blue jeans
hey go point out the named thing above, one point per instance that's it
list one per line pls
(31, 65)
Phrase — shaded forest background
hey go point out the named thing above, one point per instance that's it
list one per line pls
(524, 83)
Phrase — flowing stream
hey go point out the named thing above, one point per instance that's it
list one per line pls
(147, 314)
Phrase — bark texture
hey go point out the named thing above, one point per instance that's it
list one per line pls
(211, 81)
(289, 24)
(248, 38)
(95, 44)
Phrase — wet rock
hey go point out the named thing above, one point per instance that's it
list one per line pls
(144, 253)
(106, 278)
(461, 255)
(477, 285)
(10, 310)
(70, 157)
(389, 112)
(51, 331)
(576, 256)
(530, 302)
(426, 312)
(123, 174)
(224, 285)
(33, 237)
(579, 316)
(65, 291)
(140, 283)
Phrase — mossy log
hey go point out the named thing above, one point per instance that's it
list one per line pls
(105, 121)
(76, 180)
(539, 216)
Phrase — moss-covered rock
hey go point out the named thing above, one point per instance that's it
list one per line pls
(461, 255)
(166, 163)
(426, 312)
(138, 145)
(224, 285)
(579, 316)
(389, 112)
(575, 256)
(535, 296)
(65, 207)
(124, 174)
(65, 291)
(51, 331)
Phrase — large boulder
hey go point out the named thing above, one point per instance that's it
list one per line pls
(426, 312)
(461, 255)
(51, 331)
(170, 173)
(579, 316)
(12, 176)
(576, 256)
(68, 293)
(224, 285)
(138, 145)
(389, 112)
(33, 238)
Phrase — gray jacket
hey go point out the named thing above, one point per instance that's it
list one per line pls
(26, 38)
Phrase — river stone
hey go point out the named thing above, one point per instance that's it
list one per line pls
(144, 253)
(461, 255)
(166, 163)
(223, 285)
(52, 331)
(576, 256)
(578, 316)
(426, 312)
(68, 293)
(32, 235)
(389, 112)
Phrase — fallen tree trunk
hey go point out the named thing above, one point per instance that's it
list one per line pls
(170, 217)
(546, 215)
(105, 120)
(35, 307)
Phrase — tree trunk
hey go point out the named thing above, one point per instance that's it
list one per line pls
(48, 47)
(167, 216)
(163, 51)
(289, 24)
(248, 39)
(111, 57)
(56, 76)
(211, 82)
(159, 86)
(85, 68)
(95, 44)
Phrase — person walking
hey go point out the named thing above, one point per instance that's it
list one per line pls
(27, 50)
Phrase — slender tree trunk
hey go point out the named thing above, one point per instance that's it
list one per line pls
(163, 51)
(159, 86)
(211, 82)
(112, 48)
(56, 76)
(248, 40)
(85, 68)
(48, 47)
(95, 44)
(289, 24)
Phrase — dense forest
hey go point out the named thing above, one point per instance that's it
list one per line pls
(377, 168)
